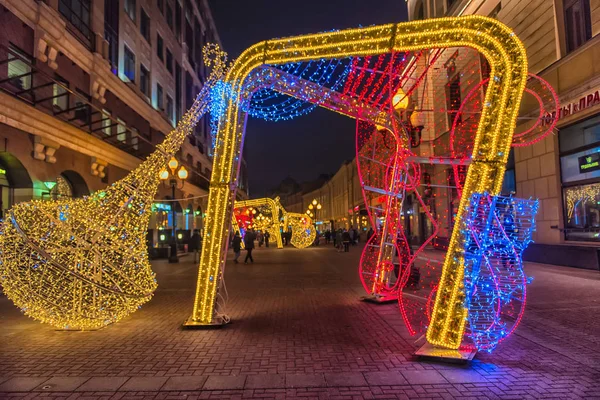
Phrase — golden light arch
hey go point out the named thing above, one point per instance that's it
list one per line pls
(274, 208)
(507, 58)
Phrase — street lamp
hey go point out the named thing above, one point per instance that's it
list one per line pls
(176, 178)
(312, 212)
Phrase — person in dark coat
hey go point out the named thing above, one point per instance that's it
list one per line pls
(196, 244)
(236, 243)
(249, 238)
(346, 240)
(267, 236)
(370, 233)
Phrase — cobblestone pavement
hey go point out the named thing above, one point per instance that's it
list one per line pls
(300, 331)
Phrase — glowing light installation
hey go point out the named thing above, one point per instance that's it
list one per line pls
(508, 62)
(271, 207)
(303, 230)
(500, 229)
(83, 263)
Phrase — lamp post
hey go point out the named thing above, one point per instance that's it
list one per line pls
(312, 212)
(175, 177)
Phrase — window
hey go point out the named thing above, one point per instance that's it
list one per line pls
(582, 212)
(130, 7)
(170, 110)
(145, 25)
(60, 95)
(18, 70)
(135, 139)
(121, 131)
(129, 64)
(77, 12)
(169, 61)
(578, 26)
(161, 5)
(144, 80)
(106, 123)
(453, 99)
(159, 97)
(450, 4)
(159, 47)
(169, 16)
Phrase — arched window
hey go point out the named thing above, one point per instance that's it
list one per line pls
(62, 188)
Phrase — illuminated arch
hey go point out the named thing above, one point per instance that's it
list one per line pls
(508, 61)
(274, 208)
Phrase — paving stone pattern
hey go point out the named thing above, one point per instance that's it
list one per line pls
(299, 331)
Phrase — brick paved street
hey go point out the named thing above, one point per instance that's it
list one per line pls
(299, 331)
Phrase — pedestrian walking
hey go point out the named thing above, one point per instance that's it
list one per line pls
(346, 240)
(236, 243)
(267, 236)
(260, 238)
(351, 235)
(196, 244)
(356, 236)
(249, 245)
(327, 236)
(338, 240)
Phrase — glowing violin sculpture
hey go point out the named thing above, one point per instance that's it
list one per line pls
(83, 263)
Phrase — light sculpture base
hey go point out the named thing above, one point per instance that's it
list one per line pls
(216, 323)
(380, 299)
(432, 353)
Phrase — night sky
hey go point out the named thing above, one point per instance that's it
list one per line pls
(319, 142)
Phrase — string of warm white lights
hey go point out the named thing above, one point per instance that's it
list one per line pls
(83, 263)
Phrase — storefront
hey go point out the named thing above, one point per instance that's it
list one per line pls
(580, 177)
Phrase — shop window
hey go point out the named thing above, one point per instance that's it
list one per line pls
(62, 188)
(130, 7)
(578, 25)
(144, 80)
(159, 47)
(159, 97)
(77, 12)
(19, 68)
(60, 95)
(129, 64)
(582, 212)
(145, 25)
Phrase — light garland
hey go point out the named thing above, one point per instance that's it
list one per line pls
(499, 230)
(83, 263)
(508, 63)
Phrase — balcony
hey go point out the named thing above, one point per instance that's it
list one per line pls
(21, 79)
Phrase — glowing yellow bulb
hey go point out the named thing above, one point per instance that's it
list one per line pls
(319, 206)
(173, 164)
(310, 206)
(164, 174)
(314, 202)
(400, 100)
(182, 173)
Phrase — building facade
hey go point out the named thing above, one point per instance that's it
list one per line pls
(562, 170)
(340, 197)
(90, 87)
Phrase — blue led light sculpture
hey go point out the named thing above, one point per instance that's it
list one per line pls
(499, 230)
